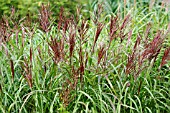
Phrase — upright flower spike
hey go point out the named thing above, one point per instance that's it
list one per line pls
(5, 33)
(165, 57)
(56, 48)
(44, 18)
(99, 29)
(122, 27)
(125, 21)
(113, 27)
(101, 53)
(130, 66)
(66, 23)
(83, 29)
(72, 35)
(61, 16)
(153, 48)
(27, 73)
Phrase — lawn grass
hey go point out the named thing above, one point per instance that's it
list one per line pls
(109, 63)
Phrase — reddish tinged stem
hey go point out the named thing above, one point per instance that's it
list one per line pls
(12, 69)
(30, 54)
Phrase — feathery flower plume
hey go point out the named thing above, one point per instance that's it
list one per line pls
(99, 29)
(44, 18)
(165, 57)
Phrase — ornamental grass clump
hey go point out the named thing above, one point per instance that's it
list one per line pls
(102, 64)
(136, 62)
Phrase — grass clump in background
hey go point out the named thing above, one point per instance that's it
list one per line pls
(109, 63)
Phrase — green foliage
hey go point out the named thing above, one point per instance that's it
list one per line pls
(78, 65)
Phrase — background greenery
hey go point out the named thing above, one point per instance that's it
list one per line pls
(25, 7)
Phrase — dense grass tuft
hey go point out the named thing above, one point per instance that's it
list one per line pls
(108, 63)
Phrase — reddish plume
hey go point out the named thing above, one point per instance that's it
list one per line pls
(56, 48)
(99, 29)
(125, 21)
(101, 53)
(130, 66)
(44, 18)
(113, 27)
(72, 35)
(153, 48)
(165, 57)
(61, 20)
